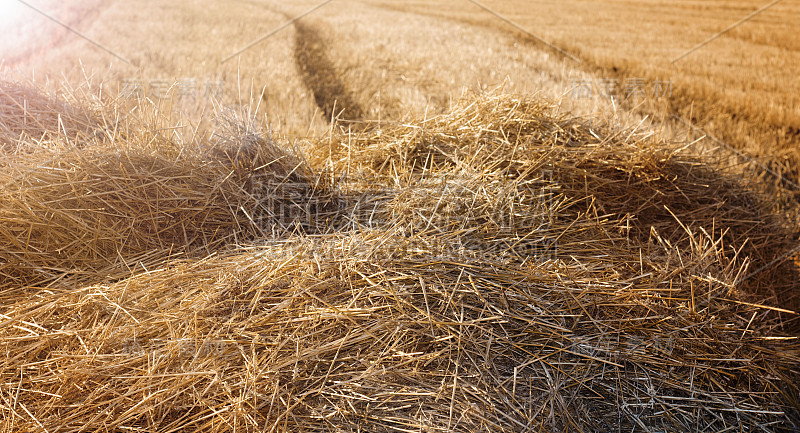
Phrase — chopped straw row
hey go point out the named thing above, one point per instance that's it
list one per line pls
(498, 268)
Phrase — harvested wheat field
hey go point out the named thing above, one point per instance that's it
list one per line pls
(361, 235)
(501, 267)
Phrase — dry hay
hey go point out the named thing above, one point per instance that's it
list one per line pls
(28, 115)
(99, 209)
(494, 269)
(630, 176)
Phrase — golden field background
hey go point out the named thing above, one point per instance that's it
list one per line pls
(388, 69)
(741, 87)
(397, 217)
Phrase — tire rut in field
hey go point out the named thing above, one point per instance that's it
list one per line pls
(320, 76)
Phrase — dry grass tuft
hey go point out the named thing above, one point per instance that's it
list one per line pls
(498, 268)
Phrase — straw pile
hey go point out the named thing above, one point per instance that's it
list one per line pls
(99, 207)
(500, 268)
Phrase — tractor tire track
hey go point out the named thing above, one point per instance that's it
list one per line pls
(319, 75)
